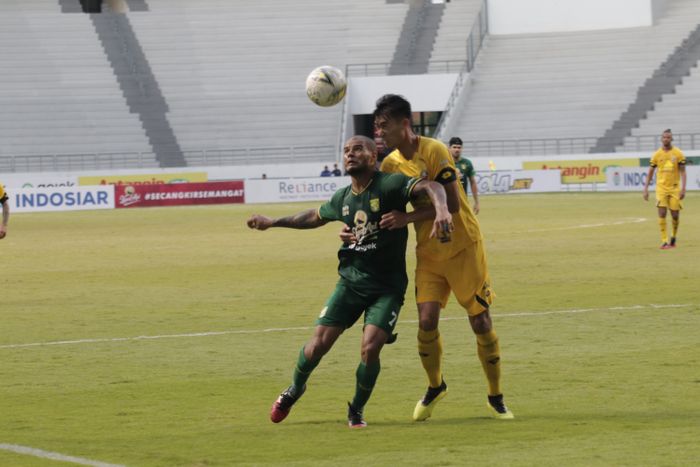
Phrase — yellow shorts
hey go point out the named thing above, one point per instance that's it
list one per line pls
(466, 274)
(669, 199)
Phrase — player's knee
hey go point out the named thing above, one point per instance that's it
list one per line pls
(428, 316)
(370, 351)
(317, 348)
(481, 323)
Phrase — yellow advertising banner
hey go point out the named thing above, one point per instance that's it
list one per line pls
(583, 171)
(144, 179)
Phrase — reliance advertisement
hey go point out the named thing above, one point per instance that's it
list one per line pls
(518, 181)
(634, 178)
(61, 199)
(287, 190)
(179, 194)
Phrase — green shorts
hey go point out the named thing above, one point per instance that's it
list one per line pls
(345, 306)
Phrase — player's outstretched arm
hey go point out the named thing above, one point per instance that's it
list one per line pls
(308, 219)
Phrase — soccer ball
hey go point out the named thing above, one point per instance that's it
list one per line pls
(326, 86)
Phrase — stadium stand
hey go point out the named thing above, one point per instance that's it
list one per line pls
(57, 92)
(456, 24)
(234, 78)
(679, 111)
(566, 85)
(226, 76)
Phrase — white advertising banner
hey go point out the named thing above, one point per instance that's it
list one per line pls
(518, 181)
(287, 190)
(61, 199)
(634, 178)
(38, 180)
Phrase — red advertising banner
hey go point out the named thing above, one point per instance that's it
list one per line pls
(179, 194)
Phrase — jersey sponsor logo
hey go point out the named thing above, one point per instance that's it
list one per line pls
(364, 229)
(346, 210)
(374, 204)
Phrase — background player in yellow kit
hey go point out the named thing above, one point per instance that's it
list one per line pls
(669, 162)
(454, 263)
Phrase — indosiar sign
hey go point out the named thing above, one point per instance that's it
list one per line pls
(634, 178)
(61, 199)
(581, 171)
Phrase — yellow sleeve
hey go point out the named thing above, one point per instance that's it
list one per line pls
(441, 165)
(387, 165)
(681, 158)
(2, 191)
(654, 162)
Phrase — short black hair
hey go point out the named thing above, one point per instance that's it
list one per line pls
(455, 140)
(667, 130)
(393, 106)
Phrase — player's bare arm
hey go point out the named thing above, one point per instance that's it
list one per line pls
(397, 219)
(681, 170)
(308, 219)
(650, 174)
(475, 194)
(5, 219)
(439, 212)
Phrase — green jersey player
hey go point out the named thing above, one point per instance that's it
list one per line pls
(372, 269)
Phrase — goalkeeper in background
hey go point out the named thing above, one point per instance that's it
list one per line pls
(669, 162)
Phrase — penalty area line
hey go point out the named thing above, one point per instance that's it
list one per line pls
(306, 328)
(55, 456)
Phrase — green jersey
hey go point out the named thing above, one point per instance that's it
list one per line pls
(467, 170)
(377, 261)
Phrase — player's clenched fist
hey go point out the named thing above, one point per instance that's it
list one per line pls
(259, 222)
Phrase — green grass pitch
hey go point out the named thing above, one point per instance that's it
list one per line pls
(610, 378)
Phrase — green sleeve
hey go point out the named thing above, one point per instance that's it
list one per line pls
(470, 172)
(331, 209)
(399, 189)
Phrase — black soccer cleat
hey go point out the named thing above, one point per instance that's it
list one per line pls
(424, 407)
(498, 408)
(673, 242)
(355, 419)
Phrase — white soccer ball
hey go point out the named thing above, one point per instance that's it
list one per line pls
(326, 86)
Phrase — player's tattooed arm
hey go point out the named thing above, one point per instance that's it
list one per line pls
(308, 219)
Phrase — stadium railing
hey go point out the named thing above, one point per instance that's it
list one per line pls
(475, 43)
(382, 69)
(139, 160)
(70, 162)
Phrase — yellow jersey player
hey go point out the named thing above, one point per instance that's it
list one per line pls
(5, 212)
(669, 164)
(454, 263)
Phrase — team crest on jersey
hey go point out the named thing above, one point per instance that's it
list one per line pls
(446, 175)
(374, 204)
(346, 210)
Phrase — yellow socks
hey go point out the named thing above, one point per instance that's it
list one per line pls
(490, 356)
(430, 351)
(674, 223)
(662, 227)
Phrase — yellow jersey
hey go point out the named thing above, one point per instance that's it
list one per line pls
(667, 164)
(433, 161)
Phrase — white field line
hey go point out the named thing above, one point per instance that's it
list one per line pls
(306, 328)
(55, 456)
(626, 220)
